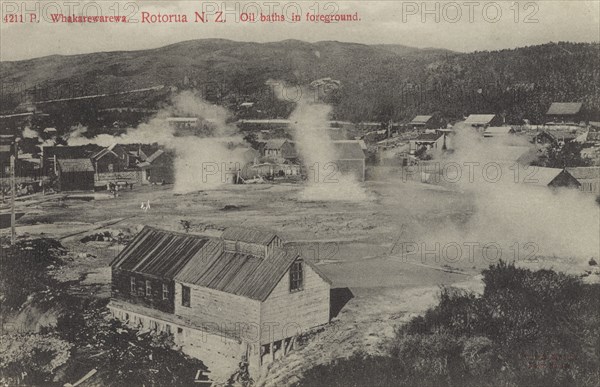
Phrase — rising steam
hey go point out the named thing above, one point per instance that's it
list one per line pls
(325, 182)
(204, 161)
(514, 212)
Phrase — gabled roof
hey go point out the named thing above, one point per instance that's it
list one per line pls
(541, 176)
(564, 108)
(158, 253)
(275, 143)
(75, 165)
(585, 173)
(557, 135)
(71, 152)
(249, 235)
(202, 261)
(237, 273)
(480, 119)
(155, 155)
(420, 120)
(349, 150)
(102, 153)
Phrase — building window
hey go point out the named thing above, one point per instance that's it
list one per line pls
(165, 292)
(132, 285)
(185, 296)
(296, 276)
(148, 288)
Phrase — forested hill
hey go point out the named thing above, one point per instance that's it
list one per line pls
(379, 82)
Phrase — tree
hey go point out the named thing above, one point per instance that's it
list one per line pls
(561, 155)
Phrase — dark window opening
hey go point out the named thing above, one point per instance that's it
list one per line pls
(132, 285)
(165, 292)
(185, 296)
(296, 277)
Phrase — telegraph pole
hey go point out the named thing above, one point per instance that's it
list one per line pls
(12, 199)
(13, 194)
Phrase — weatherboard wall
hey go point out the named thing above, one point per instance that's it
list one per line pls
(285, 314)
(121, 290)
(210, 307)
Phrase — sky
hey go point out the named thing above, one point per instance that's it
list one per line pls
(463, 26)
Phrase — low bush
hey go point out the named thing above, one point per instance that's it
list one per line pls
(528, 328)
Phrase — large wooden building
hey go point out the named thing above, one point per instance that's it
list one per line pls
(244, 287)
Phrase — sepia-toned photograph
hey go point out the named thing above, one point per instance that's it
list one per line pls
(300, 193)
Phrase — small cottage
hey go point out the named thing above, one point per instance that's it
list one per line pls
(75, 175)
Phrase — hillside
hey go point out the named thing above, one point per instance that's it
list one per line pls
(379, 82)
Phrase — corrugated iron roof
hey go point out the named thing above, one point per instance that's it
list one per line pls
(75, 165)
(249, 235)
(236, 273)
(158, 252)
(585, 173)
(480, 119)
(201, 261)
(564, 108)
(420, 120)
(542, 176)
(70, 152)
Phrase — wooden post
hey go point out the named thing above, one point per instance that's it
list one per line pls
(12, 198)
(272, 348)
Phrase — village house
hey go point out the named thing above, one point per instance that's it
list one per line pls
(588, 177)
(158, 168)
(243, 296)
(182, 122)
(106, 160)
(426, 122)
(350, 158)
(112, 166)
(75, 175)
(562, 113)
(50, 155)
(548, 177)
(432, 140)
(498, 131)
(554, 137)
(280, 150)
(482, 121)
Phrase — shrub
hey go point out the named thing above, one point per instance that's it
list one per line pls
(528, 328)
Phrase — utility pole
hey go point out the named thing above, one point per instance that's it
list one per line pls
(13, 189)
(12, 196)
